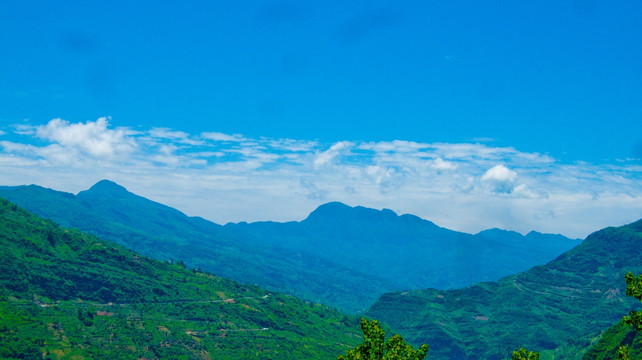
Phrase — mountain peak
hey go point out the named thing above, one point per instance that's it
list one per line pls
(105, 188)
(336, 211)
(499, 232)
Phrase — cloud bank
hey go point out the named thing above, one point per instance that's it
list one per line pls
(229, 177)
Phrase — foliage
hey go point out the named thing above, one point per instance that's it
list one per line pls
(559, 308)
(523, 354)
(612, 340)
(66, 294)
(286, 257)
(620, 339)
(623, 353)
(375, 347)
(634, 289)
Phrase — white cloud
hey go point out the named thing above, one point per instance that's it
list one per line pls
(500, 173)
(440, 164)
(217, 136)
(24, 129)
(326, 157)
(501, 178)
(92, 138)
(168, 134)
(466, 187)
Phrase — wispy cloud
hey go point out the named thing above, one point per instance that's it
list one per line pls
(225, 177)
(217, 136)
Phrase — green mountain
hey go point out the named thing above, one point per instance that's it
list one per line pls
(111, 212)
(66, 294)
(618, 335)
(559, 309)
(405, 250)
(312, 259)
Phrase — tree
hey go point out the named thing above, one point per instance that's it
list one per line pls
(375, 347)
(523, 354)
(633, 289)
(623, 353)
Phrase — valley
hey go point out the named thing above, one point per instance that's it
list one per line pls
(81, 295)
(314, 259)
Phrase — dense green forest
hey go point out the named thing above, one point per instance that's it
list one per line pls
(618, 335)
(623, 339)
(286, 257)
(66, 294)
(559, 309)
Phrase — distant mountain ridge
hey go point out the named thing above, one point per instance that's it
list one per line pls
(339, 255)
(558, 309)
(405, 249)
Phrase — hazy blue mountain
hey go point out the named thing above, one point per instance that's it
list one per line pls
(407, 250)
(342, 256)
(558, 309)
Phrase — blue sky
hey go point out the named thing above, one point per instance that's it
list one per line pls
(521, 115)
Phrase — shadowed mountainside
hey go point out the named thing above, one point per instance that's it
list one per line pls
(406, 250)
(558, 309)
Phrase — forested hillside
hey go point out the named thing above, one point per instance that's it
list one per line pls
(66, 294)
(152, 229)
(618, 335)
(559, 309)
(313, 259)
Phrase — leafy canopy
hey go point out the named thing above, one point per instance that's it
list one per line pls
(523, 354)
(375, 347)
(634, 289)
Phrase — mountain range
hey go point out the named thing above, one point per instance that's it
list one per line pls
(559, 309)
(342, 256)
(64, 293)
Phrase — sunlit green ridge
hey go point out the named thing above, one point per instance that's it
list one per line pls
(67, 294)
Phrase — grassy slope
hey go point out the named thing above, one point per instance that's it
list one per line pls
(558, 309)
(67, 294)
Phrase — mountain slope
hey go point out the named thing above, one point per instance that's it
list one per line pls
(313, 259)
(406, 250)
(617, 335)
(65, 294)
(558, 308)
(152, 229)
